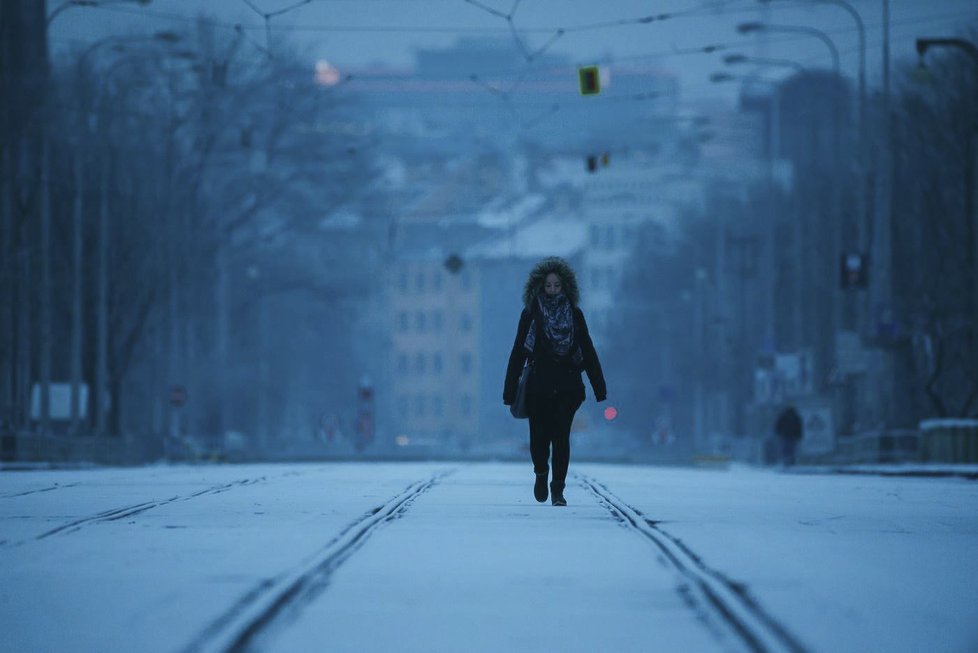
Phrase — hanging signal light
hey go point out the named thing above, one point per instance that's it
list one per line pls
(589, 80)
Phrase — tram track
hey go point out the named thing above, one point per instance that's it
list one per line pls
(273, 602)
(115, 514)
(704, 587)
(50, 488)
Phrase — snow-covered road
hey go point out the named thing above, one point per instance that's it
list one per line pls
(459, 557)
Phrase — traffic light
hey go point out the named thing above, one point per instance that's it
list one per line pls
(595, 160)
(590, 81)
(454, 263)
(854, 270)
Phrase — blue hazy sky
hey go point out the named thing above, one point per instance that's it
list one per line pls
(356, 33)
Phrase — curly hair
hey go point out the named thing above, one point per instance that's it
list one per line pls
(538, 275)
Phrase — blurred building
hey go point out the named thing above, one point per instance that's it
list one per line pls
(435, 338)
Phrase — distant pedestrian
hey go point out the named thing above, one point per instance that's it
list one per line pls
(553, 336)
(790, 430)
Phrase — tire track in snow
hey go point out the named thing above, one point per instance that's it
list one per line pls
(706, 587)
(274, 602)
(116, 514)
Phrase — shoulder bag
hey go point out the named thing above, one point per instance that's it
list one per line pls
(518, 407)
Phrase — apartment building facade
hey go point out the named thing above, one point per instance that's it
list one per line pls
(434, 358)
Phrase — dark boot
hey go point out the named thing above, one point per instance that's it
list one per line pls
(540, 488)
(557, 494)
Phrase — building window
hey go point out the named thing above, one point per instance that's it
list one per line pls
(465, 362)
(609, 236)
(402, 322)
(437, 321)
(437, 406)
(420, 323)
(402, 281)
(595, 235)
(436, 362)
(419, 363)
(419, 282)
(466, 280)
(402, 405)
(466, 405)
(465, 322)
(595, 278)
(436, 281)
(402, 363)
(419, 406)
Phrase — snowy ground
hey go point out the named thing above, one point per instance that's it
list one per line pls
(459, 557)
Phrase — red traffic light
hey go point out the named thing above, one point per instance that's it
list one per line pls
(610, 413)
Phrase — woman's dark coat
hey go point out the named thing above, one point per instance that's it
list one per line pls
(552, 374)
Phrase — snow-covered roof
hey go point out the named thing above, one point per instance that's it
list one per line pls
(550, 236)
(506, 213)
(949, 423)
(343, 218)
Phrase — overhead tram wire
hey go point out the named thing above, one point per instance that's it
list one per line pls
(484, 30)
(520, 73)
(909, 23)
(625, 22)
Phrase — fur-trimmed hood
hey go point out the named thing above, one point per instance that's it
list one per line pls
(534, 283)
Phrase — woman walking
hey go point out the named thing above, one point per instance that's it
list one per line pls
(553, 337)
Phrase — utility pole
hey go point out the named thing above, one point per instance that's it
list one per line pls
(77, 323)
(102, 303)
(880, 296)
(970, 183)
(745, 250)
(46, 286)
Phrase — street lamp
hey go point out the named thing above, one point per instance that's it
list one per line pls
(754, 27)
(861, 29)
(89, 3)
(923, 45)
(737, 58)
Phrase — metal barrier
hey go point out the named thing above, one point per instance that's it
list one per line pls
(950, 440)
(889, 446)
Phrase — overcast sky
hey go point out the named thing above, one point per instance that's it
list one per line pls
(356, 33)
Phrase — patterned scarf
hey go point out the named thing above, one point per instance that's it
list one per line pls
(558, 326)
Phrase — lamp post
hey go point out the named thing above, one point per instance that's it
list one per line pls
(863, 219)
(825, 336)
(770, 237)
(971, 179)
(861, 30)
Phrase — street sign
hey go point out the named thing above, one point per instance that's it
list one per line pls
(819, 430)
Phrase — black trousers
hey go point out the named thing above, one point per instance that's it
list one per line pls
(550, 423)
